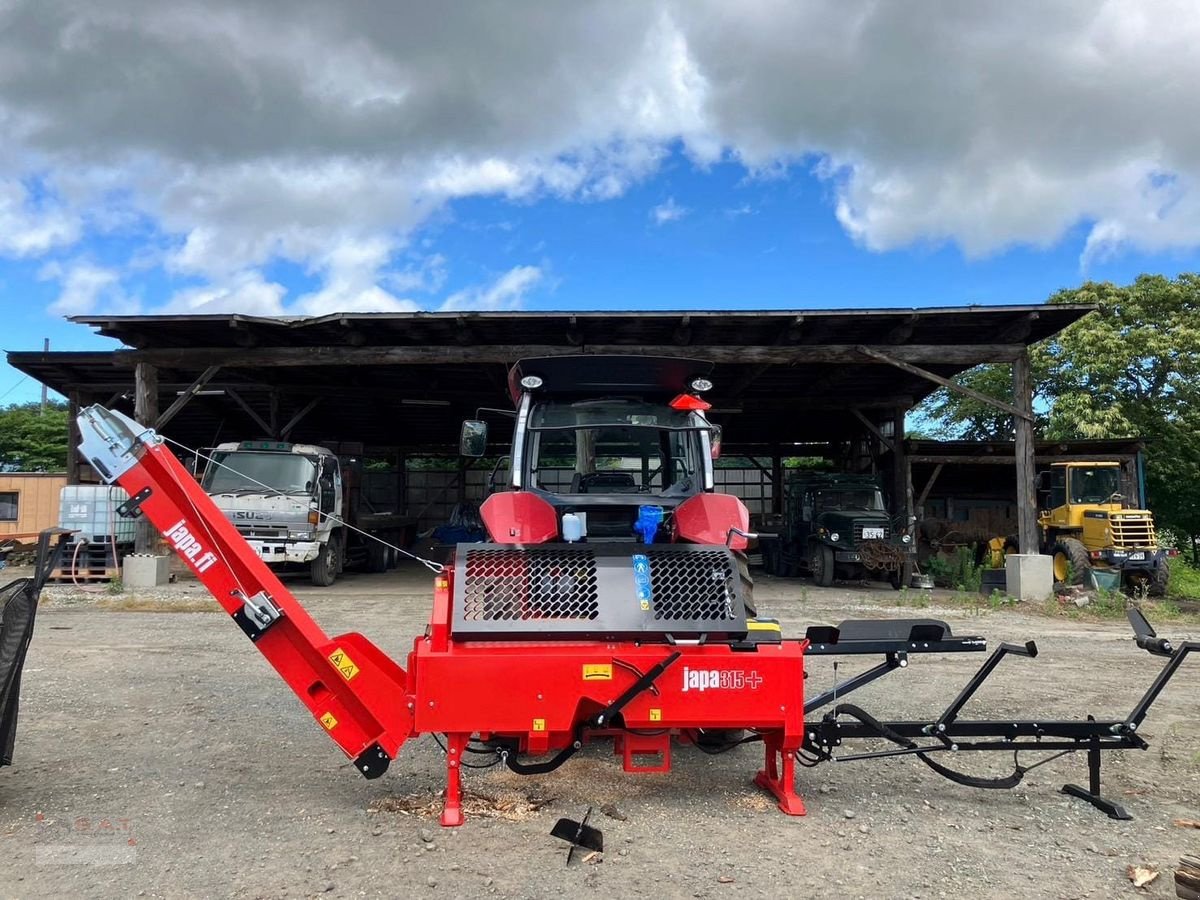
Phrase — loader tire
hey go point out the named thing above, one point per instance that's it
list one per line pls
(747, 584)
(377, 557)
(1159, 579)
(1071, 562)
(323, 570)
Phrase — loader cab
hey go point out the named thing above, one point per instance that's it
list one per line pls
(1070, 490)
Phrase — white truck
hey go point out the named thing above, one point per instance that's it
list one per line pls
(300, 505)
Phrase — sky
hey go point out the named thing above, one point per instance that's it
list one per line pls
(301, 158)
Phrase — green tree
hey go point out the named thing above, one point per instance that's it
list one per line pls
(1130, 369)
(32, 441)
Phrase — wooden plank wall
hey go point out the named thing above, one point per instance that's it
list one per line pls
(37, 500)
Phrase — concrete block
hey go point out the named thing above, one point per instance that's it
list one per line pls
(142, 570)
(1030, 576)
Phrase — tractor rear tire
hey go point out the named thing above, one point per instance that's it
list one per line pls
(820, 564)
(899, 578)
(1071, 562)
(323, 570)
(747, 584)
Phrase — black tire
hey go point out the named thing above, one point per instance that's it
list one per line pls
(323, 570)
(1069, 551)
(899, 578)
(820, 564)
(1159, 579)
(377, 556)
(747, 584)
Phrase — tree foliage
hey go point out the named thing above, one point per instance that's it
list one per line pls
(1130, 369)
(32, 441)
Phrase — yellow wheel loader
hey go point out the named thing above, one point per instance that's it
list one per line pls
(1086, 526)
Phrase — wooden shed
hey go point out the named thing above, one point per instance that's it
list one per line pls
(29, 501)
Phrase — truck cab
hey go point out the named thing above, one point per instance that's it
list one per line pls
(284, 499)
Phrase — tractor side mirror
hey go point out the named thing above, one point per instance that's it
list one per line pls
(472, 440)
(714, 441)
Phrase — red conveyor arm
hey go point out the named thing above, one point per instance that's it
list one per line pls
(355, 691)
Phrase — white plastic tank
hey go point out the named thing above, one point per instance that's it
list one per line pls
(91, 510)
(572, 528)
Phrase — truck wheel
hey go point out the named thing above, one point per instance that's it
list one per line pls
(899, 578)
(377, 557)
(323, 569)
(820, 564)
(747, 585)
(1070, 559)
(1159, 579)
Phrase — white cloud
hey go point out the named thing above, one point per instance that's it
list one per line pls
(242, 292)
(85, 287)
(244, 132)
(670, 211)
(506, 292)
(26, 230)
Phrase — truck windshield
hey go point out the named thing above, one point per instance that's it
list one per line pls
(239, 470)
(1095, 485)
(615, 447)
(849, 498)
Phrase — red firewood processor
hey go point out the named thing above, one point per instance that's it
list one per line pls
(612, 601)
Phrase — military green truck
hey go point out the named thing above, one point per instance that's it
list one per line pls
(836, 525)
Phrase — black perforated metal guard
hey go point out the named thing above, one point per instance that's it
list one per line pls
(592, 590)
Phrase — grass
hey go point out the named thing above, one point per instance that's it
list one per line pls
(1185, 580)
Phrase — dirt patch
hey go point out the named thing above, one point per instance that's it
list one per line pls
(169, 730)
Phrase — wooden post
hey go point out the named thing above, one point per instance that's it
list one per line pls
(901, 504)
(777, 485)
(145, 410)
(1027, 528)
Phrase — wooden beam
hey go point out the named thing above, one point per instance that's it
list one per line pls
(933, 477)
(185, 397)
(902, 332)
(249, 410)
(894, 360)
(874, 429)
(298, 418)
(1027, 506)
(956, 354)
(1003, 459)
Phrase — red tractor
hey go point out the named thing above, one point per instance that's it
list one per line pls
(614, 450)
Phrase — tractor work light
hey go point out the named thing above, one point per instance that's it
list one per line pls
(531, 382)
(700, 385)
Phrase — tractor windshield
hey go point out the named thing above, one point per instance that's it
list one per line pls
(1094, 485)
(615, 447)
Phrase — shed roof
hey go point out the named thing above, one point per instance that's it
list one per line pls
(406, 379)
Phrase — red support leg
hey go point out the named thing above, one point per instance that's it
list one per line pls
(452, 813)
(782, 784)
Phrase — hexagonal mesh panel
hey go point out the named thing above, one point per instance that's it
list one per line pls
(509, 585)
(698, 585)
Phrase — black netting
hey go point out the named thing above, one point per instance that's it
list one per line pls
(507, 585)
(698, 585)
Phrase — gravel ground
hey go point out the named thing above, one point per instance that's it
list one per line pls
(158, 755)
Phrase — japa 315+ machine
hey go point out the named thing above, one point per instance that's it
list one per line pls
(612, 602)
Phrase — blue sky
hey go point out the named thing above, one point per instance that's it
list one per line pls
(194, 157)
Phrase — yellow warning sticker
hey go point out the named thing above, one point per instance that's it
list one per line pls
(343, 663)
(539, 724)
(597, 671)
(656, 715)
(329, 721)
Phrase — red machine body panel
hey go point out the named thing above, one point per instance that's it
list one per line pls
(519, 517)
(707, 518)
